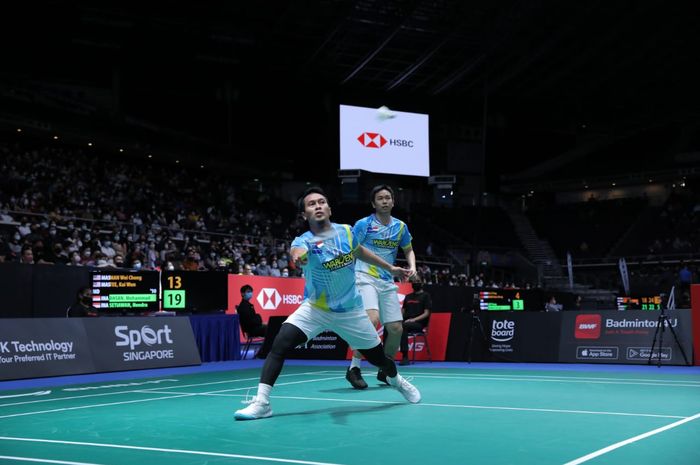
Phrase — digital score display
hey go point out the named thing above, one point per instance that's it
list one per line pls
(501, 300)
(125, 291)
(639, 303)
(195, 291)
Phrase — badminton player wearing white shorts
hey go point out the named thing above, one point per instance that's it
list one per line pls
(383, 235)
(327, 254)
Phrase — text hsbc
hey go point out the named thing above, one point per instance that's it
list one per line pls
(292, 299)
(401, 143)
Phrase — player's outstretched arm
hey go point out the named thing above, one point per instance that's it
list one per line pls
(411, 259)
(368, 256)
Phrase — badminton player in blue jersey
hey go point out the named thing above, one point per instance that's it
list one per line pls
(327, 254)
(383, 235)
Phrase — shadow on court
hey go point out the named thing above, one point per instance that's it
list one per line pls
(340, 414)
(348, 389)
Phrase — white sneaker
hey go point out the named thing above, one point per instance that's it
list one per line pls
(406, 389)
(256, 410)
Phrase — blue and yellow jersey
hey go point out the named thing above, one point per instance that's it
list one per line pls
(330, 269)
(383, 240)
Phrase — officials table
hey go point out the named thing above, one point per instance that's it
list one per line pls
(217, 337)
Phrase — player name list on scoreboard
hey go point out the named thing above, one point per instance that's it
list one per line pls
(125, 290)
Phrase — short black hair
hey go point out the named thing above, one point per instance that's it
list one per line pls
(82, 289)
(310, 190)
(245, 288)
(381, 187)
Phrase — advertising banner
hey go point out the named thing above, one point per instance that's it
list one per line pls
(41, 347)
(271, 296)
(624, 337)
(521, 337)
(33, 347)
(141, 342)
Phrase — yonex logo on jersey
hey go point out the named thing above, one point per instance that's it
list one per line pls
(372, 140)
(385, 243)
(269, 298)
(339, 262)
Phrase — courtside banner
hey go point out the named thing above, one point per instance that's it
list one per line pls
(38, 347)
(271, 296)
(141, 342)
(623, 337)
(520, 336)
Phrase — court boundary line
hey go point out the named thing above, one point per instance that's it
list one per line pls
(38, 460)
(100, 394)
(631, 440)
(172, 451)
(432, 404)
(552, 379)
(169, 396)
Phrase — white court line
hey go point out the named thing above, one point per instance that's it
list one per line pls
(482, 407)
(152, 391)
(30, 459)
(617, 445)
(54, 399)
(552, 379)
(28, 394)
(65, 409)
(172, 451)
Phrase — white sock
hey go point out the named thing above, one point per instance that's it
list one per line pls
(356, 362)
(263, 394)
(395, 380)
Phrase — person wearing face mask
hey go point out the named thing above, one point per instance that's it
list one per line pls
(83, 305)
(416, 314)
(285, 272)
(263, 269)
(251, 322)
(136, 266)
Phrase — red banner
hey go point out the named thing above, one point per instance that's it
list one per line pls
(695, 318)
(281, 296)
(271, 296)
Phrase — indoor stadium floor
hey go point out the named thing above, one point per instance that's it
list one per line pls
(477, 414)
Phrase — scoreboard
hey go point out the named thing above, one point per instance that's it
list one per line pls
(639, 303)
(194, 291)
(125, 291)
(501, 299)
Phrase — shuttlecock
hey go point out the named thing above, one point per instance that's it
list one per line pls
(383, 113)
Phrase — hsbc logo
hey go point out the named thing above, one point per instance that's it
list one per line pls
(372, 140)
(587, 326)
(269, 298)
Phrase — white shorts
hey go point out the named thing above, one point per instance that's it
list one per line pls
(379, 295)
(353, 326)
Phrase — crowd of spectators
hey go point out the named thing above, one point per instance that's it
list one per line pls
(63, 206)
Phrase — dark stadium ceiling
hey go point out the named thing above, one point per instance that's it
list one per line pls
(548, 67)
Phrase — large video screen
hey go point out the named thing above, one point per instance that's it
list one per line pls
(384, 141)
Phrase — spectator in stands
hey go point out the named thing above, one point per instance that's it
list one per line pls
(247, 270)
(27, 255)
(251, 323)
(274, 270)
(118, 261)
(285, 272)
(83, 305)
(552, 305)
(263, 269)
(578, 303)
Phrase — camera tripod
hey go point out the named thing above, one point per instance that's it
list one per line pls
(475, 324)
(661, 323)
